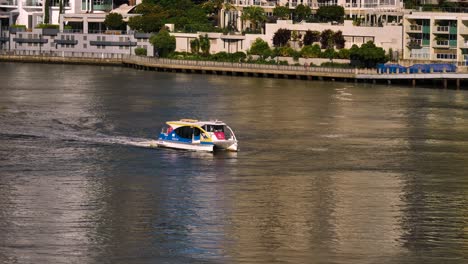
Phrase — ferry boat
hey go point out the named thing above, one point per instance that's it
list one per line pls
(191, 134)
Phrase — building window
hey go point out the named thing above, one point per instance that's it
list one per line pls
(85, 37)
(85, 46)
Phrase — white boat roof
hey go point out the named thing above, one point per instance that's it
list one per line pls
(196, 122)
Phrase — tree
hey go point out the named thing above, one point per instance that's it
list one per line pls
(302, 12)
(368, 55)
(205, 44)
(330, 13)
(281, 12)
(254, 14)
(281, 37)
(330, 53)
(46, 11)
(339, 40)
(326, 39)
(163, 42)
(313, 51)
(195, 46)
(260, 47)
(215, 6)
(114, 21)
(151, 20)
(311, 37)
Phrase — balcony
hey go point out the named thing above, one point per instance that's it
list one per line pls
(441, 44)
(66, 41)
(112, 43)
(8, 3)
(104, 5)
(445, 30)
(414, 44)
(33, 3)
(414, 29)
(31, 40)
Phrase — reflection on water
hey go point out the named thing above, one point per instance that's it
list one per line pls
(327, 172)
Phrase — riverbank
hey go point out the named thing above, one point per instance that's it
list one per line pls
(439, 80)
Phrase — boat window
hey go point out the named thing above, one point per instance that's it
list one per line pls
(214, 128)
(187, 132)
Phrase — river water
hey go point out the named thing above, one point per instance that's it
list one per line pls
(326, 173)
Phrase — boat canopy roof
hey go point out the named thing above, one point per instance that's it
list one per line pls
(194, 122)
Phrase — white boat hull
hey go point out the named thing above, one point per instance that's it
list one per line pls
(185, 146)
(230, 145)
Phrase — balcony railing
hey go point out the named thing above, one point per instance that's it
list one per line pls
(446, 29)
(414, 44)
(8, 2)
(33, 3)
(415, 28)
(441, 43)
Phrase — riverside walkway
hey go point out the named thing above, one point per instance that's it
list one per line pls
(442, 80)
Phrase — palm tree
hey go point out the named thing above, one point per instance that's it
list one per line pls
(255, 15)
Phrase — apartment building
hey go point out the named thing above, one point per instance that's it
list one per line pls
(31, 12)
(436, 36)
(373, 12)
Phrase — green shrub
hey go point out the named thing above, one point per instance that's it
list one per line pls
(313, 51)
(141, 51)
(337, 65)
(18, 26)
(48, 26)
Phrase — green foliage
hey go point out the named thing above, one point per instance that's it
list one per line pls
(336, 65)
(313, 51)
(281, 37)
(302, 12)
(195, 46)
(220, 57)
(185, 15)
(339, 40)
(152, 19)
(205, 45)
(311, 37)
(46, 11)
(114, 21)
(368, 55)
(285, 52)
(343, 54)
(260, 47)
(163, 42)
(330, 53)
(48, 26)
(254, 14)
(140, 51)
(281, 12)
(326, 39)
(330, 13)
(18, 26)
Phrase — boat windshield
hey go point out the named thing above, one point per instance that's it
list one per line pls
(220, 131)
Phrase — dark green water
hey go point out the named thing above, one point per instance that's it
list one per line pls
(327, 172)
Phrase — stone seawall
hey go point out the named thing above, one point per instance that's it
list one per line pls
(62, 60)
